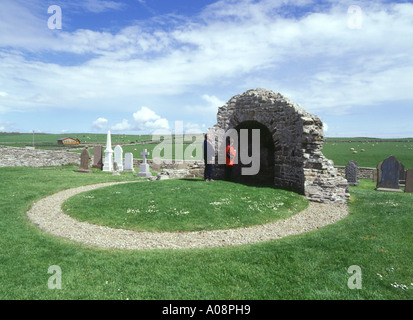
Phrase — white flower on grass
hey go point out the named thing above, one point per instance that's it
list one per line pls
(89, 197)
(255, 206)
(129, 210)
(177, 212)
(151, 209)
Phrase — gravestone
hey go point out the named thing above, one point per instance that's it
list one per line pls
(378, 172)
(108, 164)
(128, 167)
(388, 179)
(409, 181)
(144, 167)
(85, 162)
(402, 175)
(351, 173)
(97, 157)
(119, 157)
(115, 171)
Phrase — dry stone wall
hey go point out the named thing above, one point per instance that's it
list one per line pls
(28, 157)
(362, 172)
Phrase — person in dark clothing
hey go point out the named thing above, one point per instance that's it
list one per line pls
(208, 158)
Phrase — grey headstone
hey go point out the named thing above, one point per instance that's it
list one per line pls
(97, 157)
(144, 167)
(128, 162)
(389, 175)
(378, 171)
(85, 162)
(402, 175)
(351, 173)
(118, 153)
(115, 169)
(409, 181)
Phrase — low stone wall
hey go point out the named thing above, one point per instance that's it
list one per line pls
(362, 172)
(29, 157)
(190, 168)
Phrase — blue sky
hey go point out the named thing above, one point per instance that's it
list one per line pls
(137, 66)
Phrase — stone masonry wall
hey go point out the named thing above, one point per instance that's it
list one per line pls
(28, 157)
(362, 172)
(298, 138)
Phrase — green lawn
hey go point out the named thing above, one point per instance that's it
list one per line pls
(376, 236)
(201, 205)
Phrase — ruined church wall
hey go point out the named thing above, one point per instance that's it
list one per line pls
(298, 139)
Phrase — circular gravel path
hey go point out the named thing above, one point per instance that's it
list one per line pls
(48, 215)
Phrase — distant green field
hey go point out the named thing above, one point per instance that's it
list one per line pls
(41, 139)
(136, 143)
(336, 149)
(341, 153)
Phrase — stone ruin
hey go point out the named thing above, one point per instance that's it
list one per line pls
(291, 142)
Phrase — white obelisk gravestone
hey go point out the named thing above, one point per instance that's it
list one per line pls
(108, 165)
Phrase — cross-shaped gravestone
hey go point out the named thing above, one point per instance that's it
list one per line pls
(144, 153)
(144, 167)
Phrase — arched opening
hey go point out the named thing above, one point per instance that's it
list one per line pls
(265, 176)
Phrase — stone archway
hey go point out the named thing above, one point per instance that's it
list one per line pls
(297, 141)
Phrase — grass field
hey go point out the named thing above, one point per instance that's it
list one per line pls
(336, 149)
(201, 206)
(374, 152)
(376, 236)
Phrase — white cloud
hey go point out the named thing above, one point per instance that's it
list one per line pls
(147, 119)
(316, 57)
(144, 120)
(122, 126)
(145, 114)
(100, 124)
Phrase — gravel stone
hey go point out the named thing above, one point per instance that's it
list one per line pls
(47, 214)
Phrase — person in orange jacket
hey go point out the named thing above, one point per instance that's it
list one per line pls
(230, 154)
